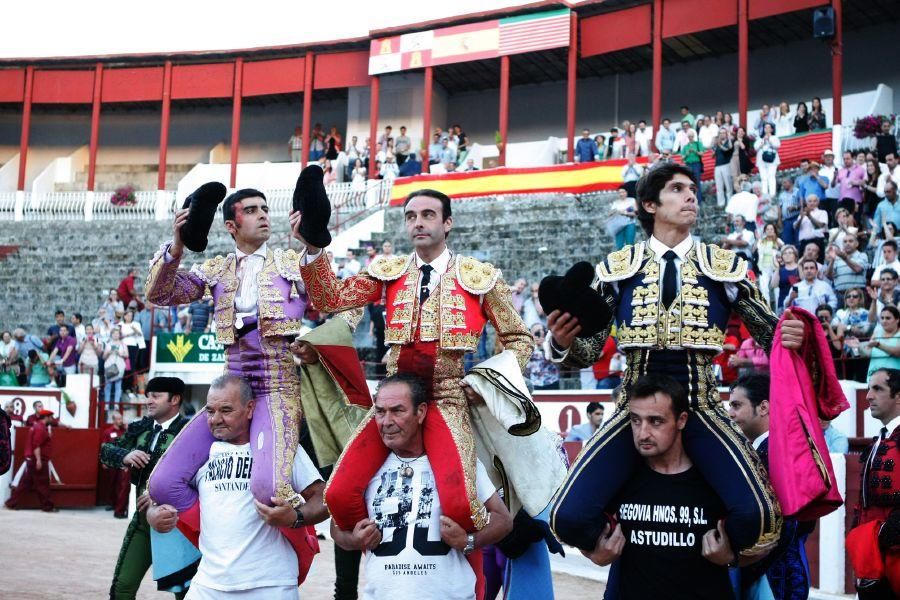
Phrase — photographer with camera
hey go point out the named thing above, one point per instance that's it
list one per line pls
(835, 338)
(811, 292)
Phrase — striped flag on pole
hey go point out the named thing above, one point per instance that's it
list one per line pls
(540, 31)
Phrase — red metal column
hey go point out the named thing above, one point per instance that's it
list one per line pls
(571, 86)
(164, 127)
(656, 93)
(26, 126)
(307, 107)
(374, 92)
(837, 64)
(743, 61)
(426, 116)
(504, 107)
(236, 117)
(95, 126)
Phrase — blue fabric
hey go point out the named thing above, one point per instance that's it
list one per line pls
(172, 552)
(528, 577)
(886, 209)
(625, 236)
(807, 185)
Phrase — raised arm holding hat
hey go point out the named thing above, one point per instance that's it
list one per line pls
(259, 306)
(671, 297)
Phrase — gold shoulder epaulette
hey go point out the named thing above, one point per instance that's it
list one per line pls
(720, 264)
(621, 264)
(389, 268)
(210, 270)
(474, 276)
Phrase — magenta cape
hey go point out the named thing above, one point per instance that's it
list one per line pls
(804, 387)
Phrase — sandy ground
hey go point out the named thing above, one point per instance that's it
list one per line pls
(72, 554)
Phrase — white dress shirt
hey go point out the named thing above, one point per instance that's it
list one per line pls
(758, 441)
(165, 425)
(439, 265)
(246, 299)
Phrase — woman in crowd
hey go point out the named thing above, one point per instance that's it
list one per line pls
(767, 159)
(90, 350)
(629, 138)
(333, 144)
(728, 123)
(801, 119)
(114, 368)
(330, 175)
(133, 338)
(883, 350)
(9, 358)
(870, 186)
(358, 180)
(846, 225)
(850, 322)
(887, 233)
(817, 115)
(787, 273)
(784, 122)
(766, 249)
(112, 305)
(620, 224)
(742, 157)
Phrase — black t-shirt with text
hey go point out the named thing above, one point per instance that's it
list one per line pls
(664, 518)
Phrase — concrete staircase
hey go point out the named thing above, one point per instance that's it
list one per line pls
(141, 177)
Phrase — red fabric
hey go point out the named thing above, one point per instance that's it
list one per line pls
(345, 494)
(601, 367)
(729, 373)
(863, 550)
(342, 363)
(126, 290)
(796, 404)
(448, 469)
(34, 479)
(303, 540)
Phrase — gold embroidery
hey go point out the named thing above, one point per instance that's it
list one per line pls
(268, 310)
(629, 336)
(285, 327)
(459, 341)
(388, 268)
(211, 270)
(651, 273)
(474, 276)
(404, 296)
(695, 294)
(452, 320)
(694, 315)
(688, 270)
(720, 264)
(395, 336)
(643, 315)
(695, 337)
(648, 294)
(621, 264)
(401, 316)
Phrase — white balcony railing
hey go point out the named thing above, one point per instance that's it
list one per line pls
(347, 203)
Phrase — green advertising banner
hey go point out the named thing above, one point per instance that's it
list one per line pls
(188, 348)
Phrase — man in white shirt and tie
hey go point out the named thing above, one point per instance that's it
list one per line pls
(810, 292)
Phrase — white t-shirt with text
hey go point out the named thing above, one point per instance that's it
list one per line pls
(412, 560)
(240, 551)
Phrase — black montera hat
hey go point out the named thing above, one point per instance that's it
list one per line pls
(203, 204)
(311, 200)
(171, 385)
(572, 293)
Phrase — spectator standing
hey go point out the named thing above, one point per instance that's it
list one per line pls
(742, 158)
(853, 319)
(870, 188)
(740, 240)
(628, 137)
(26, 342)
(665, 138)
(387, 137)
(789, 201)
(810, 292)
(114, 368)
(390, 170)
(329, 176)
(616, 144)
(9, 354)
(133, 337)
(78, 326)
(518, 292)
(845, 226)
(602, 148)
(801, 118)
(447, 155)
(812, 224)
(53, 330)
(358, 178)
(708, 133)
(200, 312)
(750, 357)
(850, 180)
(817, 115)
(885, 141)
(435, 149)
(413, 167)
(686, 116)
(724, 149)
(584, 431)
(90, 350)
(826, 177)
(462, 143)
(784, 122)
(763, 118)
(886, 295)
(642, 138)
(126, 290)
(37, 369)
(620, 225)
(332, 144)
(112, 305)
(402, 146)
(847, 266)
(532, 311)
(692, 154)
(354, 153)
(317, 143)
(65, 351)
(352, 266)
(682, 136)
(767, 249)
(767, 159)
(295, 145)
(631, 172)
(586, 149)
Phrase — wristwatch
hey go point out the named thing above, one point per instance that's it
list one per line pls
(470, 544)
(299, 521)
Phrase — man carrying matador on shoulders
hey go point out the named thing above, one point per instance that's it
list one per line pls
(671, 298)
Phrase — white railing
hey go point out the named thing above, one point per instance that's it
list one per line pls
(347, 204)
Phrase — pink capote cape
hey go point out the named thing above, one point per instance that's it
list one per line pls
(804, 386)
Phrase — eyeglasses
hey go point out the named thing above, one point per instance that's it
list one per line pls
(853, 296)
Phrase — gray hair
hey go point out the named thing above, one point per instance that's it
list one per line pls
(222, 381)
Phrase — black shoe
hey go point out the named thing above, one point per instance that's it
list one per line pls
(311, 200)
(121, 515)
(203, 204)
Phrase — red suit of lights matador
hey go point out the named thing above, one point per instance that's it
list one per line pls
(427, 340)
